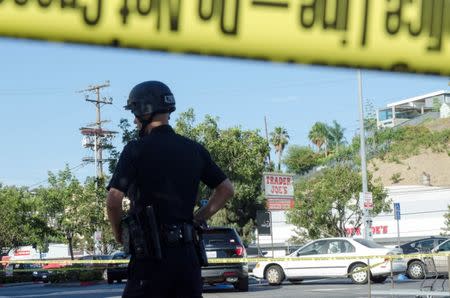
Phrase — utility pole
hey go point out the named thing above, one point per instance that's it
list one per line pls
(367, 220)
(94, 135)
(96, 138)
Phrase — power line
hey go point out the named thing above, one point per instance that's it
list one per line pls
(73, 169)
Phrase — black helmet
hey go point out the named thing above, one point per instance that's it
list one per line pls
(149, 98)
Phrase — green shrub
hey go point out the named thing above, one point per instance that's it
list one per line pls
(396, 178)
(91, 275)
(68, 275)
(16, 277)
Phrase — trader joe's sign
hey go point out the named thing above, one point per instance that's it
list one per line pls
(278, 185)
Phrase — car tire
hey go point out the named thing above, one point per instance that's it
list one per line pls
(359, 277)
(378, 279)
(242, 284)
(274, 275)
(416, 270)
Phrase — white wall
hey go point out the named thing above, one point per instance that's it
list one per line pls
(422, 211)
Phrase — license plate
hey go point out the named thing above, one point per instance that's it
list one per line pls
(211, 254)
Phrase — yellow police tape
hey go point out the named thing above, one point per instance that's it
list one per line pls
(243, 260)
(399, 35)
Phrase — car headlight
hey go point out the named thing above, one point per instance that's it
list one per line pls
(257, 265)
(35, 273)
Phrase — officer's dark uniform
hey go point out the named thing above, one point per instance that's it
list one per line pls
(164, 169)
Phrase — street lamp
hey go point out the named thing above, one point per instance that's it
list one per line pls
(367, 220)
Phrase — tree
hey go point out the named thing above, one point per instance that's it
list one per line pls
(318, 135)
(335, 136)
(93, 213)
(12, 217)
(279, 138)
(327, 204)
(446, 229)
(61, 201)
(300, 159)
(242, 155)
(21, 221)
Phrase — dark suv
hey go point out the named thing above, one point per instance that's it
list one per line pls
(223, 242)
(118, 271)
(416, 266)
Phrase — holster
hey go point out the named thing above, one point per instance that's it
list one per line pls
(199, 244)
(140, 235)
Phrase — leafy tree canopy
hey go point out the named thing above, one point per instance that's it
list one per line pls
(328, 203)
(300, 159)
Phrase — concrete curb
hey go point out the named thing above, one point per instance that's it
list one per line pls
(18, 284)
(75, 284)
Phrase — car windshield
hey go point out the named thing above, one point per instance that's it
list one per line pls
(369, 243)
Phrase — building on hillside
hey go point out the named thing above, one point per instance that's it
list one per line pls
(424, 106)
(422, 210)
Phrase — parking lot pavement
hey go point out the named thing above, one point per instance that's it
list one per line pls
(327, 288)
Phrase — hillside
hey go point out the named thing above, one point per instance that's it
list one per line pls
(411, 169)
(408, 169)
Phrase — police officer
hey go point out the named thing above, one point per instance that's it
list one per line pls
(164, 169)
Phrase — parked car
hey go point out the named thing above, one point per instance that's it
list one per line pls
(416, 266)
(33, 272)
(221, 242)
(441, 262)
(117, 271)
(296, 271)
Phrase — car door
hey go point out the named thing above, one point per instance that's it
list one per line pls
(441, 262)
(340, 249)
(304, 267)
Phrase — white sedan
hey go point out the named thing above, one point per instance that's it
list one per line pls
(302, 267)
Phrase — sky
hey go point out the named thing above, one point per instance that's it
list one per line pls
(41, 111)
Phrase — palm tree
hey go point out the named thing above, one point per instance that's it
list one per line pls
(279, 138)
(335, 136)
(318, 135)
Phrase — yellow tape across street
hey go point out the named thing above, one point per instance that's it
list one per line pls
(399, 35)
(242, 260)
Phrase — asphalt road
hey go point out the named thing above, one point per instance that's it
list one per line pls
(316, 288)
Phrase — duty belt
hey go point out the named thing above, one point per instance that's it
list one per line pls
(176, 234)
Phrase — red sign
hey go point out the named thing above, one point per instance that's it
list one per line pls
(376, 230)
(21, 253)
(280, 204)
(367, 199)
